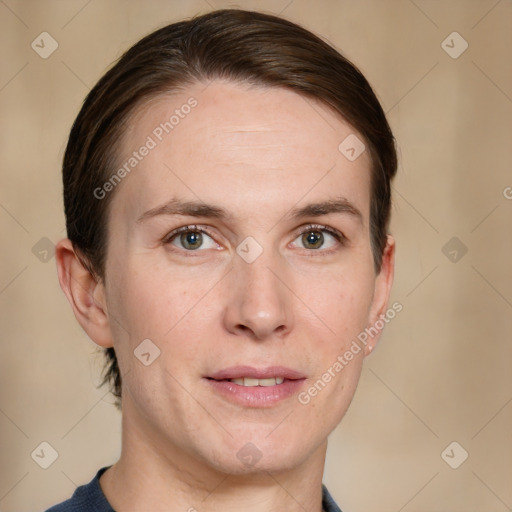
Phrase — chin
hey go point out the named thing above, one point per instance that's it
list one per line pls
(261, 455)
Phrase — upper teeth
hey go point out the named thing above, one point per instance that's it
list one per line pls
(247, 381)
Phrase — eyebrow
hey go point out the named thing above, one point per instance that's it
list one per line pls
(200, 209)
(339, 205)
(189, 208)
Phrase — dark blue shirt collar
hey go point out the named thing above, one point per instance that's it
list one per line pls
(90, 498)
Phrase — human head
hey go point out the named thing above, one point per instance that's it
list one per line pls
(238, 46)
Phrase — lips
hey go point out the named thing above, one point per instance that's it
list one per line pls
(252, 387)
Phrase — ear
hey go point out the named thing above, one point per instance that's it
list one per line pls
(382, 290)
(85, 293)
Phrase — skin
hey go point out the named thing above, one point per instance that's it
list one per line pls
(258, 153)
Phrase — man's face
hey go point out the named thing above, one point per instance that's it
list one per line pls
(274, 279)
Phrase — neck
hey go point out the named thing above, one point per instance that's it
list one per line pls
(155, 474)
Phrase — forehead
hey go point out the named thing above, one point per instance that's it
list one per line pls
(242, 145)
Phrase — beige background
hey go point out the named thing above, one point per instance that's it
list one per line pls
(443, 370)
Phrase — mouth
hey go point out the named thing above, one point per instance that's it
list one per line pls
(251, 382)
(251, 387)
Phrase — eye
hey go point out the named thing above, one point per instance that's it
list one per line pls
(191, 238)
(319, 237)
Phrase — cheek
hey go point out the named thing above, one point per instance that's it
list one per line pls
(150, 303)
(150, 300)
(342, 300)
(143, 305)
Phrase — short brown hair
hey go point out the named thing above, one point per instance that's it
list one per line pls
(236, 45)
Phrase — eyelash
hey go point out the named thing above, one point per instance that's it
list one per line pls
(338, 235)
(184, 229)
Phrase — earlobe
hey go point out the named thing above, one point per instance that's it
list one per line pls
(382, 290)
(85, 293)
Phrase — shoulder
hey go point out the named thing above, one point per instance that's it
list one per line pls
(328, 503)
(86, 498)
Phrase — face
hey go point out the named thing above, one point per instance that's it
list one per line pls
(239, 245)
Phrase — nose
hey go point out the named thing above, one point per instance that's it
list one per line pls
(259, 304)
